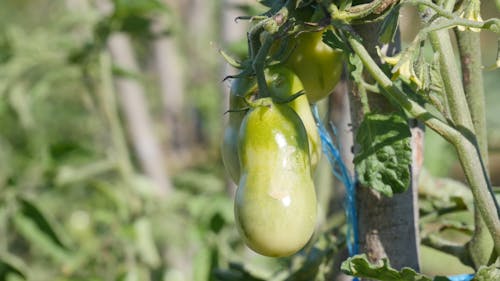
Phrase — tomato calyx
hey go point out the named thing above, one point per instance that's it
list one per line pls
(260, 102)
(289, 99)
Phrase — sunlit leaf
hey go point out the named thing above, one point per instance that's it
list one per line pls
(359, 266)
(487, 273)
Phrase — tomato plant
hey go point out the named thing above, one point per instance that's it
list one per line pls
(292, 46)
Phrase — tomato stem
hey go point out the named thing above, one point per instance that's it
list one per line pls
(470, 55)
(259, 65)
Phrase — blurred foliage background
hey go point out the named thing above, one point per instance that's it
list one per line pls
(110, 121)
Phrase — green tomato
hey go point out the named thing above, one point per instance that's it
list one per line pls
(317, 65)
(275, 204)
(283, 83)
(240, 87)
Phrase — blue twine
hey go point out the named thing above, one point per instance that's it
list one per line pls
(333, 155)
(462, 277)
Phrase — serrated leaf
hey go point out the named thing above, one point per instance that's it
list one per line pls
(359, 266)
(389, 26)
(383, 162)
(487, 273)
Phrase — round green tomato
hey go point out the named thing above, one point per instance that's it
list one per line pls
(240, 87)
(316, 64)
(283, 83)
(275, 204)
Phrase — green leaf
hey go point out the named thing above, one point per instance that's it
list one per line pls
(235, 272)
(389, 26)
(39, 220)
(359, 266)
(487, 273)
(436, 83)
(6, 49)
(345, 4)
(383, 162)
(10, 265)
(334, 41)
(125, 8)
(267, 3)
(304, 3)
(39, 239)
(356, 68)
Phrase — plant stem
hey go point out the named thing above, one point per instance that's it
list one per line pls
(109, 109)
(364, 97)
(356, 12)
(436, 8)
(470, 54)
(258, 52)
(259, 64)
(468, 154)
(450, 75)
(472, 78)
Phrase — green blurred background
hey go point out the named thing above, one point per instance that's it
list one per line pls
(110, 120)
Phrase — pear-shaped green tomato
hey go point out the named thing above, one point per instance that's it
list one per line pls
(283, 83)
(316, 64)
(240, 87)
(275, 204)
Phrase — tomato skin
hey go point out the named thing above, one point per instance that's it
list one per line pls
(275, 204)
(317, 65)
(283, 83)
(240, 87)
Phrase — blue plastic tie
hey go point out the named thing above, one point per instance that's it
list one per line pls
(333, 155)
